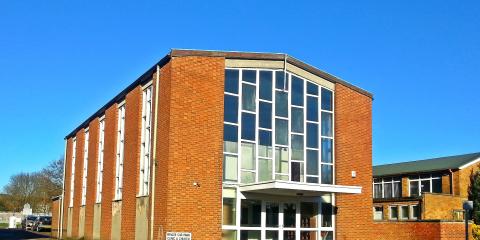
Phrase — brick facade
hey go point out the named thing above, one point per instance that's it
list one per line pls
(77, 193)
(91, 176)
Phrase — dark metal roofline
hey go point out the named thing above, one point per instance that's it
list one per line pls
(210, 53)
(269, 56)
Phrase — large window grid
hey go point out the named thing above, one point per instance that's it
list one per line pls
(120, 152)
(101, 139)
(72, 173)
(278, 148)
(85, 168)
(430, 183)
(146, 141)
(387, 187)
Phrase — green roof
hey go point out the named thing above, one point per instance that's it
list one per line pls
(427, 165)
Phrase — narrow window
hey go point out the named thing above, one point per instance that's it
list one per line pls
(393, 212)
(72, 174)
(101, 139)
(119, 156)
(378, 213)
(146, 140)
(85, 168)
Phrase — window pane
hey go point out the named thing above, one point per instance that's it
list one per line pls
(297, 120)
(327, 177)
(312, 162)
(229, 235)
(425, 186)
(388, 190)
(229, 207)
(327, 150)
(393, 212)
(289, 213)
(281, 160)
(312, 135)
(264, 169)
(397, 189)
(312, 179)
(405, 212)
(377, 213)
(272, 210)
(289, 235)
(377, 191)
(230, 108)
(250, 214)
(265, 115)
(297, 147)
(271, 235)
(231, 81)
(312, 109)
(249, 76)
(326, 99)
(308, 214)
(415, 212)
(327, 211)
(326, 124)
(312, 88)
(247, 177)
(265, 141)
(230, 138)
(297, 91)
(297, 172)
(266, 85)
(281, 104)
(281, 132)
(248, 97)
(248, 156)
(413, 188)
(437, 185)
(280, 80)
(230, 168)
(248, 126)
(249, 234)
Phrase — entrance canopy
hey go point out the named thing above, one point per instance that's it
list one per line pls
(297, 188)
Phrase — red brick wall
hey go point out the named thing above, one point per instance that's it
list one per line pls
(68, 170)
(109, 155)
(77, 193)
(419, 231)
(191, 122)
(91, 176)
(133, 123)
(353, 148)
(55, 219)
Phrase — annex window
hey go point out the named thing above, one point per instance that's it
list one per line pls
(378, 213)
(404, 212)
(425, 183)
(393, 212)
(85, 168)
(72, 173)
(277, 126)
(120, 151)
(414, 212)
(101, 139)
(146, 141)
(387, 187)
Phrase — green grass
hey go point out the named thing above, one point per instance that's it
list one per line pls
(3, 225)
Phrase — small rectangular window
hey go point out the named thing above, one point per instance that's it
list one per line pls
(437, 185)
(378, 213)
(312, 109)
(312, 135)
(249, 76)
(404, 212)
(297, 147)
(248, 156)
(280, 82)
(229, 206)
(312, 89)
(266, 85)
(230, 167)
(312, 162)
(264, 169)
(281, 132)
(415, 212)
(281, 160)
(297, 91)
(327, 174)
(327, 124)
(265, 144)
(393, 212)
(414, 188)
(297, 120)
(230, 108)
(265, 115)
(230, 138)
(231, 81)
(327, 100)
(281, 104)
(251, 213)
(248, 126)
(248, 97)
(327, 150)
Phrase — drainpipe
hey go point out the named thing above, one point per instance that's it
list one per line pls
(451, 181)
(60, 228)
(152, 207)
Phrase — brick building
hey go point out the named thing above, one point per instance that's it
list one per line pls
(431, 189)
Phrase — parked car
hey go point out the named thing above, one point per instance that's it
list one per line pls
(42, 223)
(28, 221)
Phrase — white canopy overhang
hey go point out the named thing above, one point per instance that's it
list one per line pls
(297, 188)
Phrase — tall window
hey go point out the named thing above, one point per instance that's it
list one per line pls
(85, 168)
(277, 126)
(387, 187)
(119, 156)
(146, 140)
(72, 173)
(101, 139)
(431, 183)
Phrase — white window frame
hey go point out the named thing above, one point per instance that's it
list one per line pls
(390, 212)
(145, 146)
(101, 141)
(400, 212)
(375, 211)
(411, 212)
(72, 173)
(120, 152)
(383, 182)
(419, 179)
(85, 167)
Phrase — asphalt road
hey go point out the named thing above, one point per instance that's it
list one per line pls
(16, 234)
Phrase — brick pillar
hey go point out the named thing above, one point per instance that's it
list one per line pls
(68, 170)
(77, 192)
(91, 176)
(405, 190)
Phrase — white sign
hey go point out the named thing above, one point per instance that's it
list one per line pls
(179, 236)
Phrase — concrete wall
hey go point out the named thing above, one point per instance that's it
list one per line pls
(81, 222)
(141, 218)
(116, 229)
(97, 216)
(69, 219)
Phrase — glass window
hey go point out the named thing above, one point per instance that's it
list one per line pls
(297, 120)
(247, 177)
(230, 167)
(250, 235)
(231, 81)
(281, 131)
(248, 97)
(393, 212)
(266, 85)
(229, 206)
(327, 150)
(265, 141)
(297, 147)
(265, 115)
(327, 210)
(297, 91)
(415, 212)
(250, 214)
(229, 235)
(271, 235)
(326, 124)
(425, 186)
(230, 108)
(397, 189)
(312, 89)
(312, 135)
(271, 212)
(281, 160)
(378, 213)
(248, 156)
(280, 82)
(437, 185)
(312, 179)
(327, 176)
(289, 235)
(297, 172)
(264, 169)
(327, 102)
(289, 214)
(312, 109)
(326, 235)
(413, 188)
(308, 214)
(248, 126)
(230, 138)
(281, 104)
(388, 189)
(377, 191)
(249, 76)
(312, 162)
(404, 212)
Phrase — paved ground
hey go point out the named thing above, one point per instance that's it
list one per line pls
(17, 234)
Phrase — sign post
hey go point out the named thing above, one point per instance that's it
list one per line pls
(467, 206)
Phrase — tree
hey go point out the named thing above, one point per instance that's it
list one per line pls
(21, 190)
(474, 195)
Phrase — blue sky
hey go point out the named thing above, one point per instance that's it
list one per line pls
(62, 60)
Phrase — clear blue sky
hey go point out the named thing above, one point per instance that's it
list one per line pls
(62, 60)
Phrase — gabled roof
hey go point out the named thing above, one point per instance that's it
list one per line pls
(427, 165)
